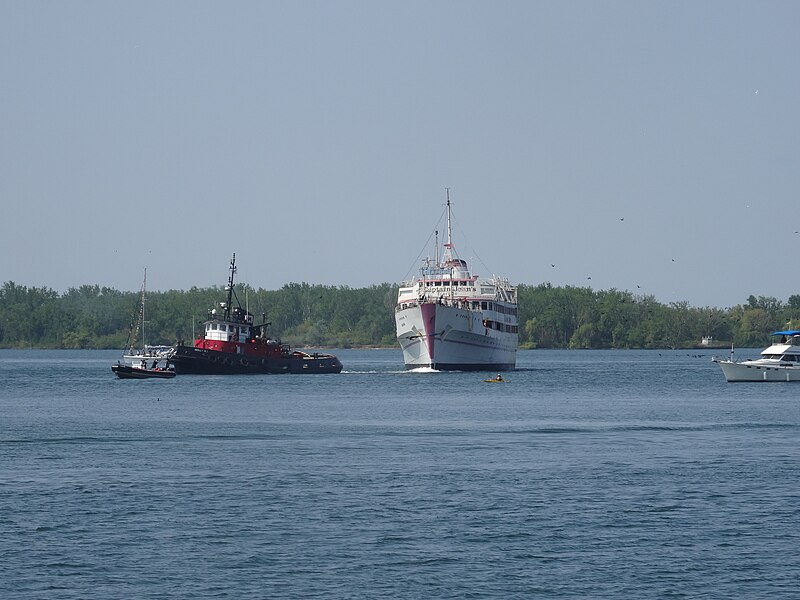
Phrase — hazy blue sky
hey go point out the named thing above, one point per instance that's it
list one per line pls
(316, 139)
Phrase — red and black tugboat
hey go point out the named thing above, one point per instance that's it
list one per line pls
(231, 344)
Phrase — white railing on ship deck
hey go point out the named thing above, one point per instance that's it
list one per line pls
(470, 305)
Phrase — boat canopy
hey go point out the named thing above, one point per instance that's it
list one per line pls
(787, 332)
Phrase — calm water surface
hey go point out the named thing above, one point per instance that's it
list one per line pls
(601, 474)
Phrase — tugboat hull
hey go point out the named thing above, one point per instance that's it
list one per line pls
(202, 361)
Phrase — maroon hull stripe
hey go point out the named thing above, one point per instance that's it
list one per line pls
(429, 322)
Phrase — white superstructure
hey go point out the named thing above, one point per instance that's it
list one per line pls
(449, 319)
(779, 362)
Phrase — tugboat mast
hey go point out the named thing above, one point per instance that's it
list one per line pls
(230, 288)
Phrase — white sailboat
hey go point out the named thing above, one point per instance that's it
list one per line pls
(144, 354)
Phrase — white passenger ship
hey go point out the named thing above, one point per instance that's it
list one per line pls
(450, 320)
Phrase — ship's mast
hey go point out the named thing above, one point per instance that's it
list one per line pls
(230, 288)
(448, 254)
(449, 229)
(133, 336)
(144, 294)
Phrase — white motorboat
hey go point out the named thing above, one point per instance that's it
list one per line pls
(779, 362)
(451, 320)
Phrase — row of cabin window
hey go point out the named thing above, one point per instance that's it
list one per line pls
(222, 327)
(506, 310)
(486, 305)
(784, 357)
(500, 326)
(448, 282)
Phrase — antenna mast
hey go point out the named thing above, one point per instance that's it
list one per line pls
(230, 288)
(448, 246)
(449, 230)
(144, 294)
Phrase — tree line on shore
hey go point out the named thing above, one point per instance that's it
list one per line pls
(306, 315)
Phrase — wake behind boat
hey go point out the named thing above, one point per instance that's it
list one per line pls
(448, 319)
(778, 362)
(232, 344)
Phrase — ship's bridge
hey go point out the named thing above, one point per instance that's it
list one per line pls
(226, 332)
(457, 269)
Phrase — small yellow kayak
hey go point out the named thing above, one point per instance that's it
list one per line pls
(494, 380)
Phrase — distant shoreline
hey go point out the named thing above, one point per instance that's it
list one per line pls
(373, 347)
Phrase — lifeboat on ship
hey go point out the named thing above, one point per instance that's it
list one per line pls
(232, 344)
